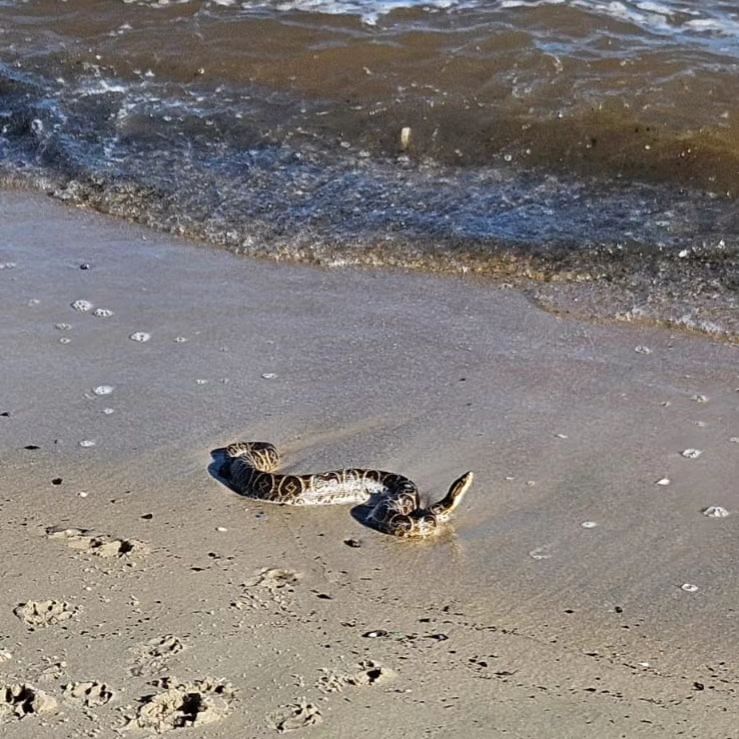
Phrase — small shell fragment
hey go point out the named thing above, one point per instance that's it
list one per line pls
(715, 511)
(87, 443)
(269, 375)
(589, 524)
(103, 390)
(140, 336)
(405, 137)
(689, 587)
(642, 349)
(102, 312)
(691, 453)
(698, 398)
(663, 481)
(540, 553)
(82, 305)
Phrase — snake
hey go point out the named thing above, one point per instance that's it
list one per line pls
(393, 503)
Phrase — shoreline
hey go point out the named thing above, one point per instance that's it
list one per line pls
(595, 293)
(424, 375)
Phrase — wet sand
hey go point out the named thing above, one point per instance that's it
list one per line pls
(572, 596)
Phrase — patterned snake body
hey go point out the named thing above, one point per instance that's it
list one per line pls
(394, 502)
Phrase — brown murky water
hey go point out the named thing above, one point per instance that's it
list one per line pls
(585, 139)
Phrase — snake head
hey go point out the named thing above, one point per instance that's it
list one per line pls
(453, 498)
(458, 488)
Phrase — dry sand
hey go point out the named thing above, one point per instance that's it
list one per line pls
(139, 594)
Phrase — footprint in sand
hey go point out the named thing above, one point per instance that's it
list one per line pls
(269, 585)
(295, 716)
(367, 673)
(183, 705)
(53, 671)
(151, 657)
(88, 694)
(274, 579)
(18, 700)
(43, 613)
(99, 545)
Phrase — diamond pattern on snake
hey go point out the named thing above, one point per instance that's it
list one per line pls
(393, 502)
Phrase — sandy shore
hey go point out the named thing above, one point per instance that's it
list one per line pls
(558, 604)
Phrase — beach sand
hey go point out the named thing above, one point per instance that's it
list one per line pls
(557, 604)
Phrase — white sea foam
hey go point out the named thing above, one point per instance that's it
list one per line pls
(369, 10)
(665, 17)
(101, 86)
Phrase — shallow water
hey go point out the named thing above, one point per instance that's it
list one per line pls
(585, 140)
